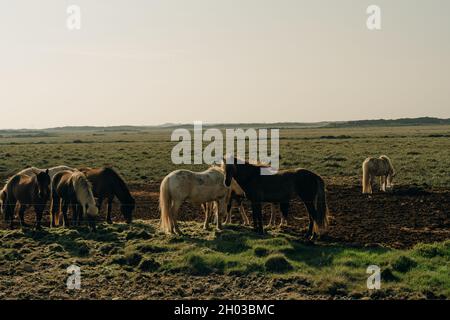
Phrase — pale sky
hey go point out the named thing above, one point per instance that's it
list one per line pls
(155, 61)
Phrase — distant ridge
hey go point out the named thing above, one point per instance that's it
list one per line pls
(282, 125)
(394, 122)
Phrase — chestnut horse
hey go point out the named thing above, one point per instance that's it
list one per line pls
(107, 184)
(30, 172)
(279, 187)
(27, 190)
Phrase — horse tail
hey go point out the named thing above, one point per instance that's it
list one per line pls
(3, 196)
(165, 206)
(321, 219)
(366, 177)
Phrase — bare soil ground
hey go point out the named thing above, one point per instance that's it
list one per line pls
(400, 219)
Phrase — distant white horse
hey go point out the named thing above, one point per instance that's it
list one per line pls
(30, 172)
(377, 167)
(196, 187)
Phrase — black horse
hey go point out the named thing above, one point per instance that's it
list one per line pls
(280, 187)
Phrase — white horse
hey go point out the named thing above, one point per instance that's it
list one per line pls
(72, 188)
(377, 167)
(30, 172)
(196, 187)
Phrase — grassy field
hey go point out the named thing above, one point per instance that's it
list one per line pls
(139, 262)
(420, 154)
(234, 263)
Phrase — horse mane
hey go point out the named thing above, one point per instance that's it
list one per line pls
(386, 158)
(257, 163)
(80, 180)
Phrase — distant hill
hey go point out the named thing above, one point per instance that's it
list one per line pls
(390, 123)
(282, 125)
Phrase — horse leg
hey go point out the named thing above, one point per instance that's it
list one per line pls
(220, 212)
(175, 208)
(65, 207)
(256, 213)
(75, 214)
(243, 214)
(99, 203)
(371, 183)
(311, 234)
(383, 183)
(206, 210)
(284, 210)
(39, 209)
(228, 212)
(10, 209)
(22, 209)
(54, 208)
(271, 220)
(108, 214)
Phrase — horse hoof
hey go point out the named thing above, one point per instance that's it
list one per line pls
(110, 221)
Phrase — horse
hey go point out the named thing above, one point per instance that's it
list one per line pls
(30, 172)
(279, 187)
(72, 188)
(377, 167)
(196, 187)
(33, 190)
(107, 184)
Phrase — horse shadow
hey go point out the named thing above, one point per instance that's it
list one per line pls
(71, 240)
(234, 239)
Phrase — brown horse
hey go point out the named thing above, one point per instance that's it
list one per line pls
(28, 191)
(280, 188)
(107, 184)
(71, 188)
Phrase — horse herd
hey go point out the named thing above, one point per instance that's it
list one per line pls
(218, 190)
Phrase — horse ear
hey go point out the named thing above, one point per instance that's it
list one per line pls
(46, 171)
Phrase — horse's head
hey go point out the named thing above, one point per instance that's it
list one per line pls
(127, 210)
(43, 182)
(91, 210)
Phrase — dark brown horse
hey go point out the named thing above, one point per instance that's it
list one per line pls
(107, 184)
(280, 187)
(27, 191)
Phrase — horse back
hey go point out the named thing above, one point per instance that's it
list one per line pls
(22, 187)
(282, 186)
(62, 186)
(106, 182)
